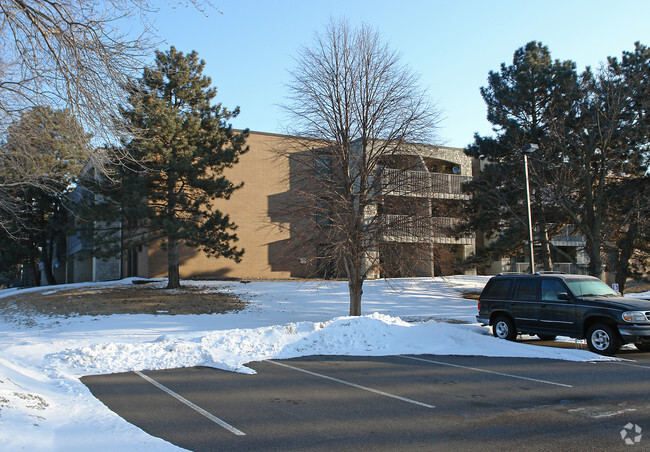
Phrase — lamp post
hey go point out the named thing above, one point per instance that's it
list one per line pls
(529, 149)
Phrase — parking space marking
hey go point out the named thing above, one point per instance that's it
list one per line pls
(487, 371)
(196, 408)
(354, 385)
(632, 365)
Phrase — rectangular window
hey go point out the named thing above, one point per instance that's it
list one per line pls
(526, 290)
(551, 288)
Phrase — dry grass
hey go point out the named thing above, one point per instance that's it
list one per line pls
(135, 299)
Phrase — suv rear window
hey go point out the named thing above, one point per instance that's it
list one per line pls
(498, 289)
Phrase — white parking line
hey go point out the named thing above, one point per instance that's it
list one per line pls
(487, 371)
(196, 408)
(632, 365)
(354, 385)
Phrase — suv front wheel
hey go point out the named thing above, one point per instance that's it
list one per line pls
(504, 328)
(602, 339)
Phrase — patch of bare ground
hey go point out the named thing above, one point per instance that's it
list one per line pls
(135, 299)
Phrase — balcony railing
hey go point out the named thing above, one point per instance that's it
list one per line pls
(404, 228)
(423, 184)
(568, 238)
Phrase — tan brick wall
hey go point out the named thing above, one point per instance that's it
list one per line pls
(257, 211)
(251, 207)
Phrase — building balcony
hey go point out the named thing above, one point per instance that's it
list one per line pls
(408, 229)
(423, 184)
(568, 238)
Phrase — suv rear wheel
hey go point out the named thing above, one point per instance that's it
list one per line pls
(602, 339)
(504, 328)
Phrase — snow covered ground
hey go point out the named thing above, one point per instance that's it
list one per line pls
(44, 406)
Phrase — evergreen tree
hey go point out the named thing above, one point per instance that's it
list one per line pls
(39, 227)
(593, 132)
(14, 252)
(633, 194)
(630, 239)
(526, 102)
(607, 140)
(592, 144)
(605, 146)
(184, 148)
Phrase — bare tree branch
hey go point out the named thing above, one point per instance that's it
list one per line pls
(358, 110)
(73, 55)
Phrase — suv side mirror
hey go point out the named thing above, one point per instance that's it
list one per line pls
(563, 296)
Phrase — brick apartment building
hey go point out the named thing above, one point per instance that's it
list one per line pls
(264, 227)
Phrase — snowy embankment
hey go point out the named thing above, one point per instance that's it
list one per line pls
(44, 406)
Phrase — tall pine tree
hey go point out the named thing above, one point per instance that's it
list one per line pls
(603, 182)
(527, 102)
(591, 171)
(184, 148)
(50, 142)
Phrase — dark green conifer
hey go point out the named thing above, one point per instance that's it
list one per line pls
(527, 102)
(53, 145)
(185, 145)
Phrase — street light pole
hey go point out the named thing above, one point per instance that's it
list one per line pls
(529, 149)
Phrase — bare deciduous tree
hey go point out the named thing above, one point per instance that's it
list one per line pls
(69, 54)
(359, 110)
(72, 54)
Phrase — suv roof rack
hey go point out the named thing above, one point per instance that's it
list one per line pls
(539, 273)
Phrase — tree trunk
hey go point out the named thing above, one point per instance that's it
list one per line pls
(626, 249)
(356, 291)
(49, 276)
(173, 276)
(595, 266)
(353, 268)
(47, 250)
(545, 250)
(30, 274)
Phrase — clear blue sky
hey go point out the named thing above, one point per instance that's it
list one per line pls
(452, 44)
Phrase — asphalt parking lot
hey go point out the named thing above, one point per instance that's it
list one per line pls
(391, 402)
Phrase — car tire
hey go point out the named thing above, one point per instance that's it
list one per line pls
(603, 339)
(643, 346)
(547, 337)
(504, 328)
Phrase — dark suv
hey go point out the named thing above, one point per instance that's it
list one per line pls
(550, 305)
